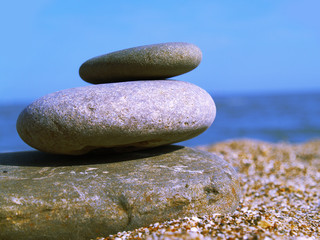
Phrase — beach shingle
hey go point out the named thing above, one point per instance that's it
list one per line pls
(280, 196)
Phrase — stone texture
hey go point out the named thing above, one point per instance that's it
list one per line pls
(156, 61)
(123, 116)
(82, 197)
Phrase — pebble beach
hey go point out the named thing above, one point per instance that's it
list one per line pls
(280, 184)
(107, 169)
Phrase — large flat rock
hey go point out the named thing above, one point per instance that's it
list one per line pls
(156, 61)
(81, 197)
(123, 116)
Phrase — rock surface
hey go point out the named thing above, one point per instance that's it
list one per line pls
(81, 197)
(124, 116)
(156, 61)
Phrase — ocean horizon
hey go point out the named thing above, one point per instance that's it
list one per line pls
(271, 117)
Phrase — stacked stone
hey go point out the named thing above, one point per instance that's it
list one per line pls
(121, 181)
(130, 108)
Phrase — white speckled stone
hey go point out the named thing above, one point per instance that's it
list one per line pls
(158, 61)
(123, 116)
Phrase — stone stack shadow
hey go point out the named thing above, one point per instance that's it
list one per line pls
(106, 163)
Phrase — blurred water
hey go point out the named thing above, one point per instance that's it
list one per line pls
(274, 118)
(9, 138)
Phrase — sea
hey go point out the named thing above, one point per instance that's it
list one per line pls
(290, 117)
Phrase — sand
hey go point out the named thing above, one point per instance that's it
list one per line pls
(280, 196)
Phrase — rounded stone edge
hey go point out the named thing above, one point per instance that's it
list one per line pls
(95, 67)
(192, 210)
(30, 111)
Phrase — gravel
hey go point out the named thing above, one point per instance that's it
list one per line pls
(280, 196)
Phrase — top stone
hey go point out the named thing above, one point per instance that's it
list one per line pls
(158, 61)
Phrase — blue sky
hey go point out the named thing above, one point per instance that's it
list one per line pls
(248, 46)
